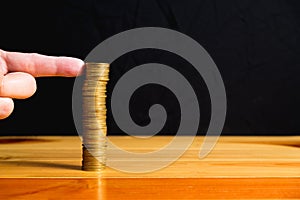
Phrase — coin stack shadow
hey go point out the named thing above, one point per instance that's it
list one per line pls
(94, 116)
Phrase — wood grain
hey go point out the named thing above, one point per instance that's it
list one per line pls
(237, 168)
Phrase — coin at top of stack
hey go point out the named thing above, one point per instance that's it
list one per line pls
(94, 116)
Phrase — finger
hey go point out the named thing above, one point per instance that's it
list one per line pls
(18, 85)
(42, 65)
(6, 107)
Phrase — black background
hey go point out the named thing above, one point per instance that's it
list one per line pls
(255, 45)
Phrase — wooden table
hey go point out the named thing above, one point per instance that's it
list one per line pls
(237, 168)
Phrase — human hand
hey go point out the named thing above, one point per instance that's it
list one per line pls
(17, 72)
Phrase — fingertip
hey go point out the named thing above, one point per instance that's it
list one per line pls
(80, 65)
(69, 66)
(31, 85)
(81, 68)
(6, 107)
(18, 85)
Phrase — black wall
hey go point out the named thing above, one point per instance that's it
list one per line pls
(254, 43)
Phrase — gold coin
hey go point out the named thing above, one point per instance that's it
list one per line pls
(94, 116)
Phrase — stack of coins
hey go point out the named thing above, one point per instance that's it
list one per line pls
(94, 116)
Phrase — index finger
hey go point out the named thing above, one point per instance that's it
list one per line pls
(42, 65)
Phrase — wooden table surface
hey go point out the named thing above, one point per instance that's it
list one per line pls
(49, 167)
